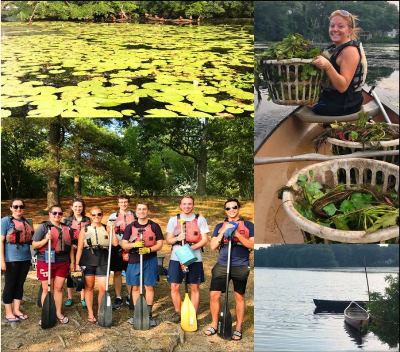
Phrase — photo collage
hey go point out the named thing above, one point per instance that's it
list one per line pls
(199, 176)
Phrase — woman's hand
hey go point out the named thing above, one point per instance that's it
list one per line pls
(322, 63)
(72, 267)
(48, 236)
(3, 265)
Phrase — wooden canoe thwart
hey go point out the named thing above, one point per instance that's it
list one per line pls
(356, 316)
(286, 150)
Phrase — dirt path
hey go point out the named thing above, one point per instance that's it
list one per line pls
(79, 335)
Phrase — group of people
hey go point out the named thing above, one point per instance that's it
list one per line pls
(81, 243)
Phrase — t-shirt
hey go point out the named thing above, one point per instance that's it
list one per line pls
(239, 254)
(68, 221)
(134, 257)
(39, 234)
(203, 226)
(14, 252)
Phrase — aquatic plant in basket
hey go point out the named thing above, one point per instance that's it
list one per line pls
(287, 68)
(352, 208)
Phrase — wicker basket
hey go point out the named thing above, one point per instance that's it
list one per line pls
(340, 147)
(353, 171)
(284, 86)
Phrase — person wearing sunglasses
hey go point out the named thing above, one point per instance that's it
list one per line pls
(16, 237)
(195, 234)
(60, 256)
(76, 221)
(91, 258)
(120, 219)
(242, 242)
(152, 242)
(345, 65)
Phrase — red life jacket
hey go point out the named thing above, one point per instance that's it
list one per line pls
(77, 226)
(241, 229)
(21, 232)
(60, 238)
(192, 230)
(149, 236)
(123, 220)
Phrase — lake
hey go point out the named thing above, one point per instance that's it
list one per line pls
(284, 309)
(383, 72)
(70, 69)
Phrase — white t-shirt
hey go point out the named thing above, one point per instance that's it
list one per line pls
(203, 227)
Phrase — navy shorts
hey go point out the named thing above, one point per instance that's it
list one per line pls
(238, 275)
(150, 273)
(176, 275)
(116, 263)
(99, 270)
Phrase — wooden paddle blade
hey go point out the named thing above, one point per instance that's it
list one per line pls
(39, 297)
(224, 328)
(141, 318)
(49, 317)
(188, 315)
(105, 311)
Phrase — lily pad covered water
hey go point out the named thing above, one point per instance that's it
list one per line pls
(67, 69)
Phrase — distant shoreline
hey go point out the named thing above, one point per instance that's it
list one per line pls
(374, 270)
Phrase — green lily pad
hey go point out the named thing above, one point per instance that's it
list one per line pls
(211, 107)
(160, 113)
(5, 113)
(233, 110)
(128, 112)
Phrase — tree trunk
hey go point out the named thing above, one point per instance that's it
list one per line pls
(56, 136)
(77, 176)
(77, 186)
(202, 162)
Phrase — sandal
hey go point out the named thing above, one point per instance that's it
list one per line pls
(22, 316)
(63, 320)
(237, 335)
(92, 320)
(210, 331)
(12, 320)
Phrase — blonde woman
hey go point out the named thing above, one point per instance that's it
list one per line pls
(91, 258)
(345, 66)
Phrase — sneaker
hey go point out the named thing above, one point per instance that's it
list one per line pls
(130, 321)
(83, 302)
(117, 303)
(127, 300)
(68, 302)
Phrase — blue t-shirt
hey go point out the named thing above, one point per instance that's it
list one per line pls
(14, 252)
(239, 254)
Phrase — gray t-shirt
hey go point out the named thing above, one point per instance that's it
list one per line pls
(203, 226)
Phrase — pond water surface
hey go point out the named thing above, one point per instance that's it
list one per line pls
(113, 70)
(284, 318)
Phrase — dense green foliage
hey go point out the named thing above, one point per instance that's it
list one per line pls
(108, 10)
(274, 20)
(145, 157)
(384, 310)
(321, 256)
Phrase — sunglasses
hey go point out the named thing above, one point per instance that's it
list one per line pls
(18, 206)
(344, 13)
(55, 213)
(234, 207)
(98, 214)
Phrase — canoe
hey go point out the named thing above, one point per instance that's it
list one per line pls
(293, 135)
(170, 20)
(334, 306)
(356, 316)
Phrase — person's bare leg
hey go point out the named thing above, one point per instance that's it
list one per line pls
(149, 295)
(117, 283)
(240, 308)
(176, 297)
(135, 293)
(17, 307)
(214, 307)
(44, 289)
(8, 309)
(89, 287)
(69, 292)
(195, 295)
(58, 295)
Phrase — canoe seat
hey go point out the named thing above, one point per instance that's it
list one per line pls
(305, 114)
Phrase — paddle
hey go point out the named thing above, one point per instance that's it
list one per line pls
(141, 317)
(105, 311)
(49, 316)
(39, 296)
(366, 276)
(224, 328)
(188, 312)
